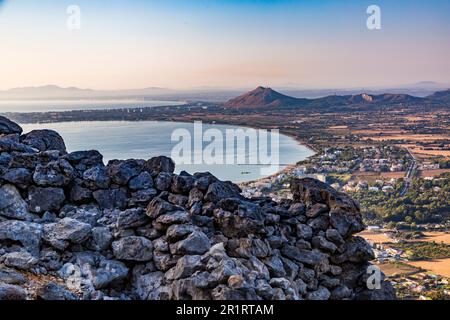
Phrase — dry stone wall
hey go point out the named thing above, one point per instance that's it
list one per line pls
(72, 227)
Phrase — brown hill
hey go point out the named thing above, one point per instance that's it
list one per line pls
(263, 97)
(266, 97)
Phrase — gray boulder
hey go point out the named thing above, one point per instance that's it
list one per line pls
(44, 140)
(20, 177)
(55, 292)
(142, 181)
(121, 172)
(160, 164)
(27, 233)
(12, 205)
(97, 177)
(12, 292)
(45, 199)
(111, 199)
(20, 260)
(65, 232)
(54, 174)
(9, 127)
(83, 160)
(133, 249)
(222, 190)
(11, 276)
(196, 243)
(163, 181)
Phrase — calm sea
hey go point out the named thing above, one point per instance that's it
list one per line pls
(146, 139)
(67, 105)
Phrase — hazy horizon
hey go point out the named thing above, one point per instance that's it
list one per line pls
(188, 44)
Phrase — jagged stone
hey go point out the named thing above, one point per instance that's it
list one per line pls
(163, 181)
(20, 260)
(27, 233)
(222, 190)
(10, 276)
(101, 238)
(320, 242)
(178, 232)
(142, 181)
(12, 205)
(111, 199)
(176, 217)
(11, 143)
(185, 267)
(321, 293)
(20, 177)
(196, 243)
(54, 174)
(45, 199)
(87, 213)
(97, 177)
(44, 140)
(142, 197)
(304, 231)
(133, 249)
(61, 234)
(132, 218)
(149, 286)
(121, 172)
(316, 210)
(54, 292)
(160, 164)
(9, 127)
(182, 184)
(84, 160)
(312, 258)
(204, 180)
(80, 195)
(12, 292)
(356, 250)
(158, 207)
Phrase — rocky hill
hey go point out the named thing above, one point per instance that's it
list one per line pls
(74, 228)
(266, 97)
(263, 97)
(440, 96)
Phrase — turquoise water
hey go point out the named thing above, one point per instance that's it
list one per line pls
(146, 139)
(68, 105)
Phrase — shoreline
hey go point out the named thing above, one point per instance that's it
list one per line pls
(288, 167)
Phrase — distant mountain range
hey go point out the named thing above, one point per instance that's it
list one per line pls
(260, 97)
(56, 92)
(263, 97)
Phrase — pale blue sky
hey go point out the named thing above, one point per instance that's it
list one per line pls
(191, 43)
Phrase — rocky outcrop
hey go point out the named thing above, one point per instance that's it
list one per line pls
(136, 230)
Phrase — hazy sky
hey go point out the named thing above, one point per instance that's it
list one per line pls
(191, 43)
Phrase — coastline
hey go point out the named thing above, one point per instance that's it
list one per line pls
(285, 168)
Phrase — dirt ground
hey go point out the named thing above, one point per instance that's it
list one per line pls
(439, 237)
(397, 269)
(375, 237)
(433, 173)
(438, 266)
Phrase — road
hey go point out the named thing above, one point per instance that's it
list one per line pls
(412, 170)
